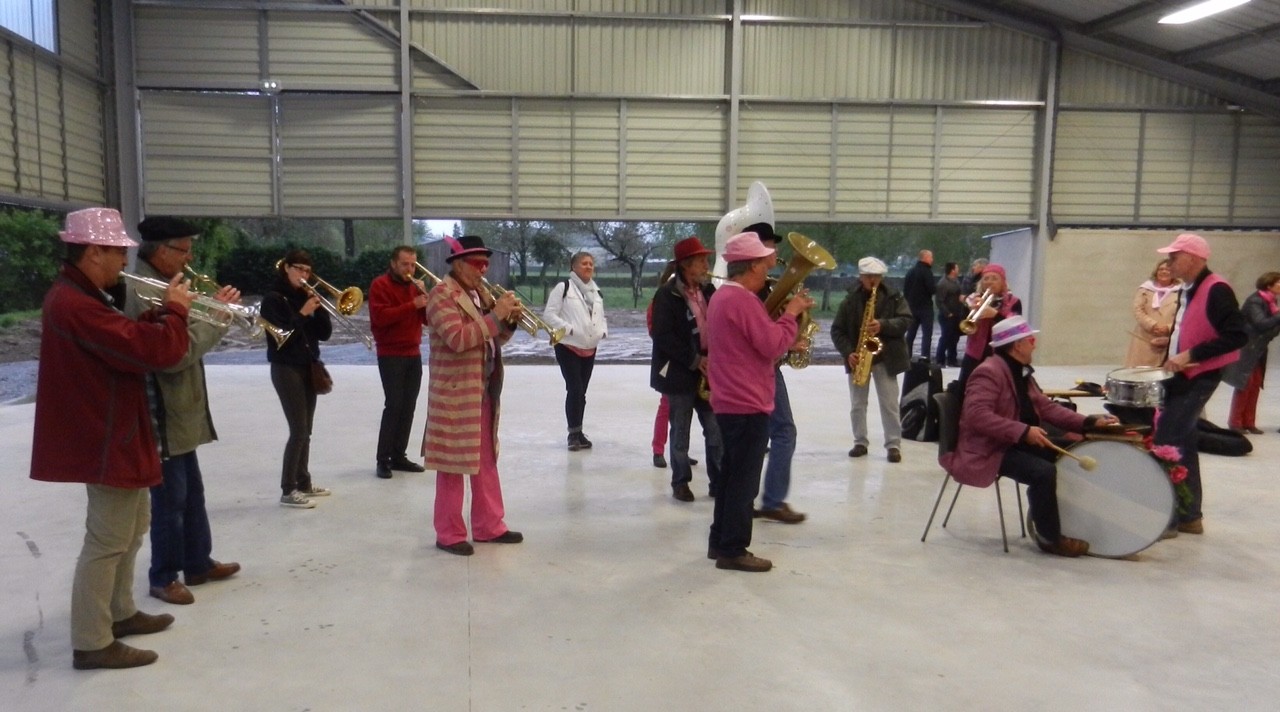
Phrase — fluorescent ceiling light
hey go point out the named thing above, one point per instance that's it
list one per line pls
(1200, 10)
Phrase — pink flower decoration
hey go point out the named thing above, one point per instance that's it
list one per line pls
(1178, 474)
(1168, 453)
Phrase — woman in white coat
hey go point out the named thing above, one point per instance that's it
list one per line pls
(577, 306)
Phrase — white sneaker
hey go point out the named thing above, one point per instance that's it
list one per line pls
(296, 499)
(315, 492)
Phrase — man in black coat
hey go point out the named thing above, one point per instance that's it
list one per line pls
(918, 288)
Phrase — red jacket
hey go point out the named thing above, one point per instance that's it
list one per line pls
(989, 423)
(396, 324)
(92, 423)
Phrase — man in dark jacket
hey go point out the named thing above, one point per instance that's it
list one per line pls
(918, 288)
(93, 426)
(889, 324)
(679, 362)
(951, 310)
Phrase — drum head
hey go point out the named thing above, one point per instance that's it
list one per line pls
(1144, 374)
(1122, 506)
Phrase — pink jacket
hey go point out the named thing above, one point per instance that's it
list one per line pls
(989, 423)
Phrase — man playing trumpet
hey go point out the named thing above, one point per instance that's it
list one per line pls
(1000, 433)
(397, 313)
(467, 327)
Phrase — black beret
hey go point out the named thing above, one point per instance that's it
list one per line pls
(166, 228)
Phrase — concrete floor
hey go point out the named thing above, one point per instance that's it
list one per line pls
(611, 604)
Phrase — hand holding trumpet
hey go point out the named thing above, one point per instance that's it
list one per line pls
(507, 308)
(178, 292)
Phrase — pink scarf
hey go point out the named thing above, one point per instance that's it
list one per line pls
(1158, 294)
(1269, 297)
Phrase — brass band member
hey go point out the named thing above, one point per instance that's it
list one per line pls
(467, 328)
(181, 540)
(888, 322)
(1003, 305)
(397, 313)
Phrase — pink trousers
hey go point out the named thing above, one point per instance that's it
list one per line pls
(661, 420)
(486, 494)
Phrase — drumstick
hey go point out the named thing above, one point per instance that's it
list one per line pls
(1086, 462)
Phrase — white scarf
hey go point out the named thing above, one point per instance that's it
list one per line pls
(589, 291)
(1158, 294)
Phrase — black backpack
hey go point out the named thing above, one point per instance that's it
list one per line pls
(918, 409)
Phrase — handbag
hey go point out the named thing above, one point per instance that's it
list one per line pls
(321, 381)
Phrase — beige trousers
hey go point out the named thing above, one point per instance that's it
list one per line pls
(102, 591)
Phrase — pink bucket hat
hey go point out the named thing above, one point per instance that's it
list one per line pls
(1190, 243)
(744, 247)
(96, 226)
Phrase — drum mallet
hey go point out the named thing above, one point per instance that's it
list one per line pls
(1088, 464)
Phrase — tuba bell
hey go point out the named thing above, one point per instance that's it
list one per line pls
(759, 209)
(806, 256)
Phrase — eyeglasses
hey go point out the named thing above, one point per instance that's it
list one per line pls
(183, 250)
(301, 268)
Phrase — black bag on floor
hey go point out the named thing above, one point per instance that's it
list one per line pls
(919, 411)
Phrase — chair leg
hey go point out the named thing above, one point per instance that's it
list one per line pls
(1000, 508)
(1022, 519)
(953, 505)
(936, 502)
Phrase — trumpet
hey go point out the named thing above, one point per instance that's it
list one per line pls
(209, 310)
(347, 302)
(970, 323)
(530, 322)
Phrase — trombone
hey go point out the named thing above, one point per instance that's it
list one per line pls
(209, 310)
(347, 302)
(530, 322)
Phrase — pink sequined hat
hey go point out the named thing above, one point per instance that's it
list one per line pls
(96, 226)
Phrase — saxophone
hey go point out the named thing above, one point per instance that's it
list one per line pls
(868, 345)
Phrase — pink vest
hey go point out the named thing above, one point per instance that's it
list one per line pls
(1196, 329)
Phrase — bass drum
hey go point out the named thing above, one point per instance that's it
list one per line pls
(1122, 506)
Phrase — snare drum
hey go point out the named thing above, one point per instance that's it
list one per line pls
(1122, 506)
(1137, 387)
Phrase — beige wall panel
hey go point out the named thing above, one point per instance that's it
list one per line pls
(660, 58)
(568, 157)
(1087, 316)
(963, 64)
(53, 183)
(206, 154)
(654, 7)
(86, 152)
(1088, 80)
(520, 5)
(338, 156)
(78, 33)
(789, 148)
(26, 117)
(1186, 168)
(854, 10)
(518, 54)
(596, 175)
(862, 164)
(986, 164)
(1258, 175)
(675, 158)
(462, 157)
(8, 139)
(911, 164)
(1095, 166)
(222, 54)
(327, 51)
(808, 62)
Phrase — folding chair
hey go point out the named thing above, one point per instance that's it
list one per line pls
(948, 434)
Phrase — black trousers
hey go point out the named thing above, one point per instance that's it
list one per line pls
(401, 380)
(1035, 468)
(298, 400)
(577, 376)
(745, 438)
(921, 321)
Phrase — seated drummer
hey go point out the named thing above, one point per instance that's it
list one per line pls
(1000, 433)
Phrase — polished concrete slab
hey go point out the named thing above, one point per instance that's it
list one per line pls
(610, 604)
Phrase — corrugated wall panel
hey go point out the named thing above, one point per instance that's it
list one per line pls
(78, 32)
(462, 157)
(1088, 80)
(326, 51)
(1259, 170)
(53, 183)
(659, 58)
(1184, 177)
(1095, 166)
(568, 157)
(806, 62)
(86, 151)
(596, 174)
(986, 164)
(520, 5)
(339, 157)
(8, 139)
(862, 161)
(987, 63)
(26, 118)
(853, 10)
(223, 54)
(911, 164)
(207, 154)
(675, 158)
(500, 54)
(789, 148)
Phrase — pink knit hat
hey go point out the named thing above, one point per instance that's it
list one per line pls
(997, 269)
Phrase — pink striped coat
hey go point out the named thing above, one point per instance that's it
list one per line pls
(461, 339)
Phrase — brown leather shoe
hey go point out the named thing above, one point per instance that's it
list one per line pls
(783, 514)
(682, 493)
(747, 562)
(1066, 546)
(115, 656)
(141, 624)
(858, 451)
(462, 548)
(895, 455)
(174, 593)
(1195, 526)
(507, 537)
(217, 572)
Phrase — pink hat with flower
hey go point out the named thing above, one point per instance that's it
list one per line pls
(746, 246)
(96, 226)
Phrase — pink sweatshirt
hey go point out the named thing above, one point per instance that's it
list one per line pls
(743, 345)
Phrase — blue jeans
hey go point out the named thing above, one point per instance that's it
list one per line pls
(782, 445)
(745, 437)
(683, 406)
(180, 536)
(1176, 422)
